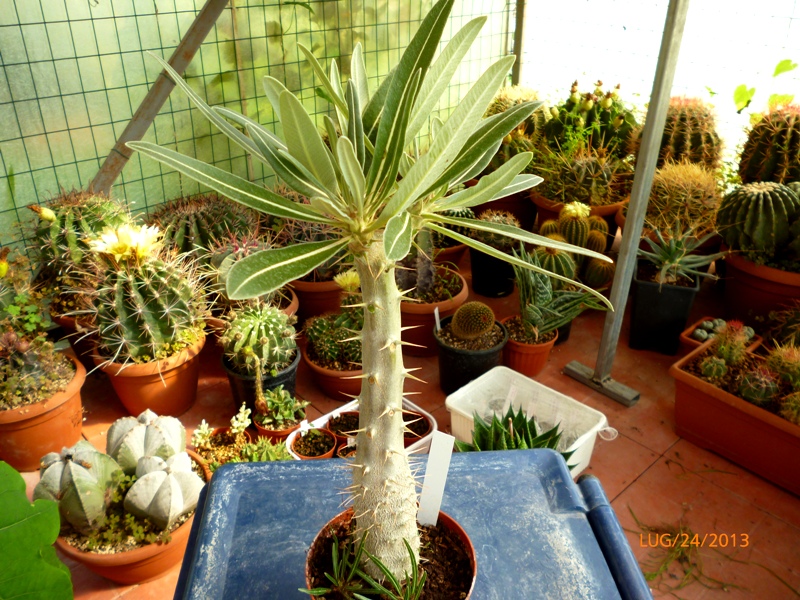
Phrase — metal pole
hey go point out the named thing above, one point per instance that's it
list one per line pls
(519, 31)
(158, 94)
(600, 378)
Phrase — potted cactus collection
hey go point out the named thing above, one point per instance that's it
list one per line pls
(259, 352)
(545, 307)
(741, 405)
(40, 387)
(470, 343)
(128, 521)
(375, 214)
(333, 352)
(664, 287)
(148, 321)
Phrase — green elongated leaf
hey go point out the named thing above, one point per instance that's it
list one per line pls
(478, 168)
(287, 168)
(374, 108)
(784, 66)
(385, 163)
(487, 136)
(447, 144)
(246, 122)
(355, 128)
(488, 186)
(336, 82)
(520, 183)
(234, 134)
(304, 141)
(269, 270)
(440, 74)
(397, 237)
(472, 243)
(31, 568)
(416, 59)
(330, 129)
(351, 171)
(742, 96)
(338, 101)
(358, 75)
(229, 185)
(273, 89)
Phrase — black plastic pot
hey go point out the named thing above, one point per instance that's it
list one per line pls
(491, 277)
(563, 333)
(243, 387)
(659, 314)
(458, 367)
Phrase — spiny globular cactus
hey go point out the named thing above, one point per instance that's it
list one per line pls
(132, 438)
(68, 222)
(756, 217)
(442, 241)
(731, 342)
(573, 223)
(222, 256)
(785, 361)
(790, 408)
(472, 320)
(164, 491)
(588, 178)
(558, 262)
(494, 240)
(148, 308)
(597, 223)
(596, 240)
(193, 224)
(684, 192)
(772, 149)
(713, 367)
(334, 338)
(690, 134)
(549, 227)
(598, 273)
(81, 480)
(759, 385)
(260, 334)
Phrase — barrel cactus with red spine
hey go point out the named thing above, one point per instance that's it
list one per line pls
(772, 149)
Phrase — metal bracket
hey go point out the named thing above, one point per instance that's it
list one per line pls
(613, 389)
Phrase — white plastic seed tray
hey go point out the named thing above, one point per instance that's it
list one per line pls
(496, 390)
(421, 446)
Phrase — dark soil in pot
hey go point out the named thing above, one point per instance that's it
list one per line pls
(343, 425)
(444, 560)
(313, 443)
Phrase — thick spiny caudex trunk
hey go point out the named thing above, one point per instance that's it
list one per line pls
(384, 489)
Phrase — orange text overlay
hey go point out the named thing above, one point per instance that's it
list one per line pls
(690, 540)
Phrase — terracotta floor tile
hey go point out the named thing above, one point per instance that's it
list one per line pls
(617, 463)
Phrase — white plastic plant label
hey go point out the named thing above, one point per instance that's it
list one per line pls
(436, 316)
(430, 500)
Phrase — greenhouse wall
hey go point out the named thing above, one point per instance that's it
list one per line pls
(73, 72)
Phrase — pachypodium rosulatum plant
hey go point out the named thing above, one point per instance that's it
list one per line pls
(81, 480)
(377, 192)
(132, 438)
(148, 307)
(164, 490)
(472, 320)
(259, 338)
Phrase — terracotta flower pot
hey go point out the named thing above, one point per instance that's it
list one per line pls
(339, 385)
(752, 437)
(341, 440)
(688, 343)
(322, 540)
(451, 255)
(549, 209)
(316, 298)
(421, 316)
(275, 435)
(528, 359)
(167, 387)
(753, 290)
(29, 432)
(328, 454)
(202, 462)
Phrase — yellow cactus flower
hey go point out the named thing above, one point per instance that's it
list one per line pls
(128, 241)
(348, 281)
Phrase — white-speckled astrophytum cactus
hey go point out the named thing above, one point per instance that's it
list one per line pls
(130, 439)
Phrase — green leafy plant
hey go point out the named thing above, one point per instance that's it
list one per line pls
(514, 431)
(377, 191)
(28, 530)
(674, 258)
(278, 409)
(263, 450)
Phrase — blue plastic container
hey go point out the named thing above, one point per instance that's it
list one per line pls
(535, 532)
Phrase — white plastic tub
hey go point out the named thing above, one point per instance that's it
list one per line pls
(493, 393)
(421, 446)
